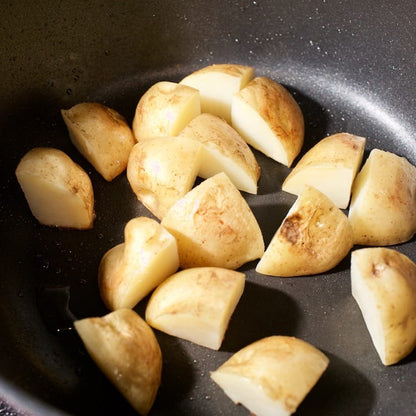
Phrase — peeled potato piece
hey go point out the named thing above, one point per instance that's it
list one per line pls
(214, 226)
(101, 135)
(217, 84)
(383, 202)
(330, 166)
(224, 150)
(383, 283)
(313, 238)
(59, 192)
(196, 304)
(272, 376)
(269, 119)
(129, 271)
(126, 350)
(162, 170)
(165, 109)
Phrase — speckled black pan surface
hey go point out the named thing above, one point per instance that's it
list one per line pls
(350, 65)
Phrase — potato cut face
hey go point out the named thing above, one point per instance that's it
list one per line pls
(271, 376)
(383, 282)
(383, 202)
(101, 135)
(224, 150)
(130, 271)
(58, 191)
(313, 238)
(269, 119)
(126, 350)
(214, 226)
(196, 304)
(330, 166)
(165, 109)
(162, 170)
(217, 84)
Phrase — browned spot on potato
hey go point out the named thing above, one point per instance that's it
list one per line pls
(377, 269)
(290, 228)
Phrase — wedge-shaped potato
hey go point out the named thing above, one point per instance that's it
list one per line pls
(126, 350)
(272, 376)
(214, 226)
(217, 84)
(59, 192)
(162, 170)
(313, 238)
(101, 135)
(130, 271)
(383, 201)
(224, 150)
(330, 166)
(269, 119)
(196, 304)
(165, 109)
(383, 283)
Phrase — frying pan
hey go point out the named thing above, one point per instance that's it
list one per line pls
(351, 67)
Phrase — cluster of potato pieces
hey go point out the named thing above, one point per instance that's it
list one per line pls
(205, 126)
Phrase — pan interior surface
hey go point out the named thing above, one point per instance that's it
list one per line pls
(350, 69)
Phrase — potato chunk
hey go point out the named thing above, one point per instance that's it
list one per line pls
(214, 226)
(217, 84)
(126, 350)
(313, 238)
(59, 192)
(383, 282)
(383, 202)
(269, 119)
(224, 150)
(196, 304)
(272, 376)
(162, 170)
(101, 135)
(129, 271)
(165, 109)
(330, 166)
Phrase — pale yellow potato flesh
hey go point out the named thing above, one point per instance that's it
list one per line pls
(165, 109)
(214, 226)
(130, 271)
(272, 376)
(313, 238)
(196, 304)
(217, 83)
(383, 202)
(268, 118)
(330, 166)
(126, 350)
(383, 282)
(101, 135)
(162, 170)
(58, 191)
(224, 150)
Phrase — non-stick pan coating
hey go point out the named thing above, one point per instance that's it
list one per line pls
(350, 65)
